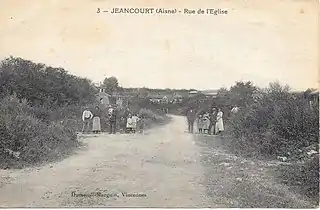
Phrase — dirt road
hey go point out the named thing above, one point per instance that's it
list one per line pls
(165, 167)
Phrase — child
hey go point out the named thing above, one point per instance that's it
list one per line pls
(200, 123)
(206, 123)
(135, 120)
(129, 124)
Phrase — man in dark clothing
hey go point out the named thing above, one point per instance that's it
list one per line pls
(191, 116)
(213, 116)
(112, 121)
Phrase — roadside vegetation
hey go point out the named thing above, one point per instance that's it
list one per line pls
(274, 123)
(40, 111)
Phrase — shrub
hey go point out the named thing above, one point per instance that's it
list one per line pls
(42, 85)
(34, 139)
(281, 123)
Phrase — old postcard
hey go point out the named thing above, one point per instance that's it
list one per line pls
(180, 103)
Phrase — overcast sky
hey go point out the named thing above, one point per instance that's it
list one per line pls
(257, 40)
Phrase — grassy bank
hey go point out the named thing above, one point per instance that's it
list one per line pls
(28, 140)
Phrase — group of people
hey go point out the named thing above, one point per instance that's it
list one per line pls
(130, 123)
(207, 122)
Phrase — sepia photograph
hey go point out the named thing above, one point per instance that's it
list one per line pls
(159, 104)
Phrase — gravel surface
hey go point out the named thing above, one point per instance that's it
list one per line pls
(164, 167)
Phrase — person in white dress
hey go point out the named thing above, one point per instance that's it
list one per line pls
(219, 122)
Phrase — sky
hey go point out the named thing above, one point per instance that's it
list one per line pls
(258, 40)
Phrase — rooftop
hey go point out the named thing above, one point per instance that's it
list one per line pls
(209, 92)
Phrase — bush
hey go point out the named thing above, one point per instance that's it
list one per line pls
(42, 85)
(34, 140)
(281, 123)
(278, 123)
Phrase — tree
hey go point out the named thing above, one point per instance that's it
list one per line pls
(111, 84)
(43, 85)
(242, 93)
(143, 93)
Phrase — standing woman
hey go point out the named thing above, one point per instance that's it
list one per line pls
(219, 123)
(96, 125)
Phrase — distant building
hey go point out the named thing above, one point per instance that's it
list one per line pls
(103, 97)
(193, 93)
(122, 99)
(159, 99)
(210, 93)
(207, 93)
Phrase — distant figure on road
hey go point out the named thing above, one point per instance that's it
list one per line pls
(112, 120)
(86, 117)
(206, 123)
(200, 123)
(96, 125)
(191, 117)
(219, 124)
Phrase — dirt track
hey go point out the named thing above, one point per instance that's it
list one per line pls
(166, 166)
